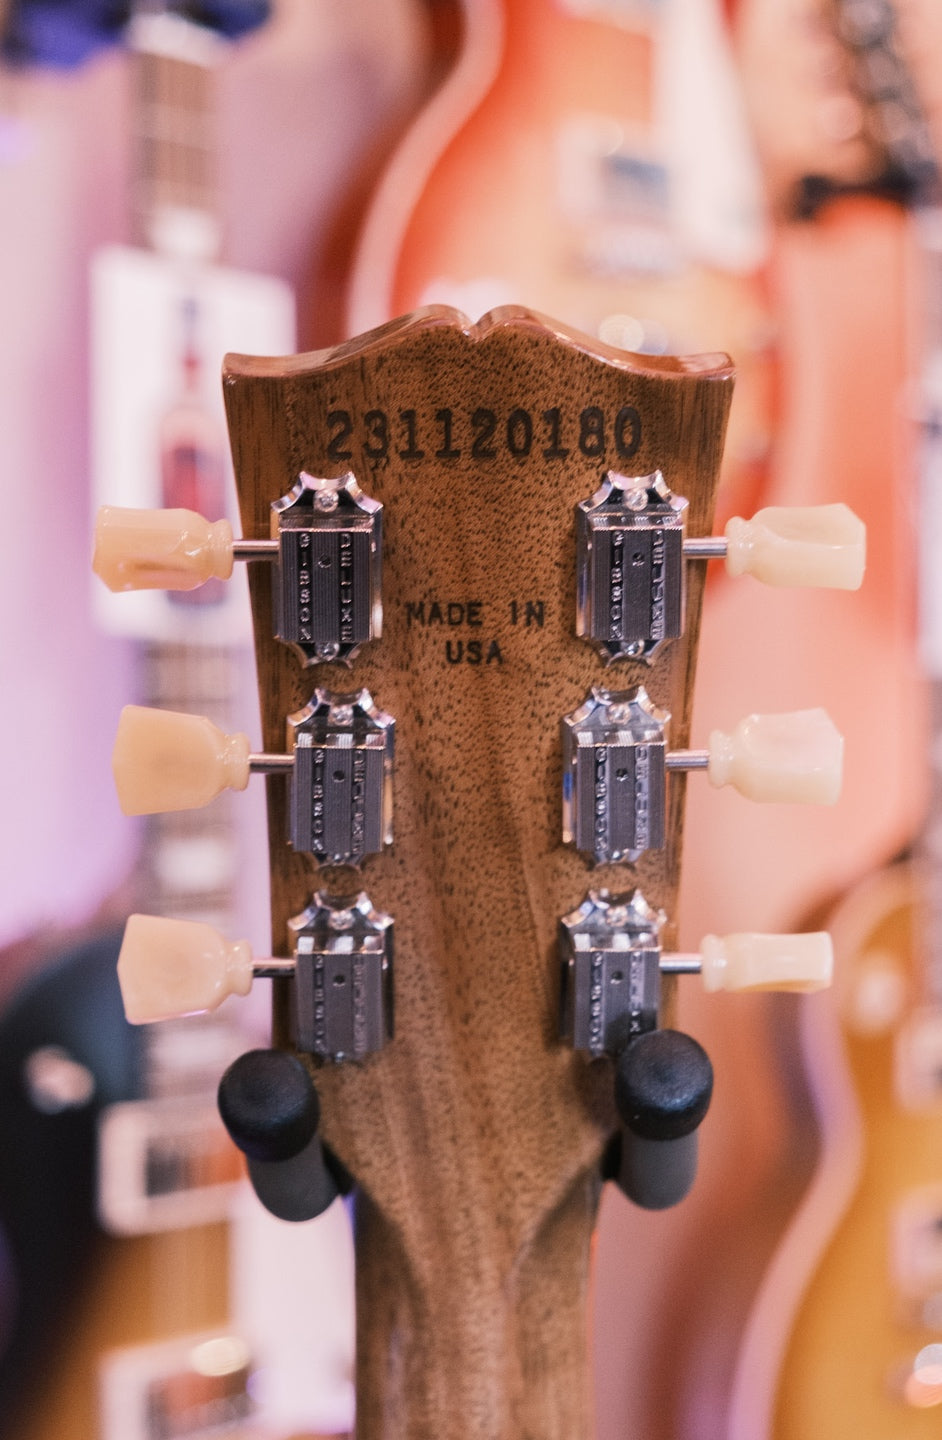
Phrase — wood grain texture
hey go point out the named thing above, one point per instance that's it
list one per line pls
(475, 1136)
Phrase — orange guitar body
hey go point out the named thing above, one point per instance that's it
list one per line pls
(843, 285)
(539, 175)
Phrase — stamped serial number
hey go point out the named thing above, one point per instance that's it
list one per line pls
(484, 434)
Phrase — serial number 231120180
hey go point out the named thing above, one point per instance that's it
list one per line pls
(484, 434)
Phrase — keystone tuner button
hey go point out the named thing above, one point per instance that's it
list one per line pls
(815, 546)
(750, 961)
(164, 760)
(168, 968)
(796, 757)
(163, 549)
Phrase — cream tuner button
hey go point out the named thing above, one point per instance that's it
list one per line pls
(160, 549)
(163, 760)
(169, 968)
(767, 962)
(816, 545)
(792, 757)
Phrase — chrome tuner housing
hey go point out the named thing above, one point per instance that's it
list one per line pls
(610, 953)
(340, 809)
(327, 580)
(614, 770)
(343, 951)
(631, 582)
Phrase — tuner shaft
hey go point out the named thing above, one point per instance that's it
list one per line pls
(255, 550)
(271, 764)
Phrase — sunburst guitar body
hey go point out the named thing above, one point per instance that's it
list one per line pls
(845, 1337)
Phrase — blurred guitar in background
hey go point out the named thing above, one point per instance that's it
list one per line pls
(553, 168)
(845, 171)
(845, 1333)
(158, 1173)
(164, 1279)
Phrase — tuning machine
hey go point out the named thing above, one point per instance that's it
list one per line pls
(633, 550)
(339, 762)
(612, 961)
(325, 546)
(340, 963)
(341, 1011)
(616, 761)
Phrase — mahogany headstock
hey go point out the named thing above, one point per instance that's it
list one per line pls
(475, 1135)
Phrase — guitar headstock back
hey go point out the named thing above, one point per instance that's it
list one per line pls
(474, 1134)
